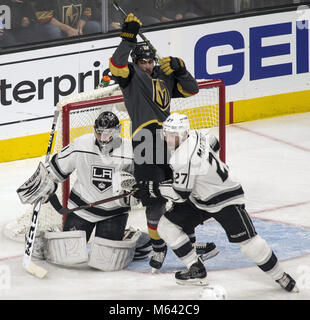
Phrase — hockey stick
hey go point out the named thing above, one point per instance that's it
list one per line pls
(143, 37)
(60, 209)
(27, 263)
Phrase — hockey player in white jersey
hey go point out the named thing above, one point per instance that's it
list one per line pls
(95, 158)
(98, 160)
(204, 188)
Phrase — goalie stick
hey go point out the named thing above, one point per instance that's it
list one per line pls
(143, 37)
(28, 265)
(60, 209)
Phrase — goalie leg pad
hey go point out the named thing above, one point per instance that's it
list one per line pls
(143, 244)
(111, 255)
(143, 247)
(66, 248)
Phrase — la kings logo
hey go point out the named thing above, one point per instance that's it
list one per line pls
(102, 178)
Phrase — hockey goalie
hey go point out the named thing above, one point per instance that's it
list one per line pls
(103, 165)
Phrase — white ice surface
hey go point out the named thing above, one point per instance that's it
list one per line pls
(272, 160)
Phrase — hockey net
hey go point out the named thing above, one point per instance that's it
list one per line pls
(206, 110)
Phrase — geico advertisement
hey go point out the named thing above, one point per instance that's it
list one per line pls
(255, 56)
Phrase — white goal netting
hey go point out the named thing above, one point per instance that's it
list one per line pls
(77, 116)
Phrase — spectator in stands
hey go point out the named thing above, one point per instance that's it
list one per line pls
(257, 4)
(65, 18)
(144, 9)
(151, 12)
(6, 37)
(170, 10)
(114, 18)
(23, 24)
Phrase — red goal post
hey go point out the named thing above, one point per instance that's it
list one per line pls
(206, 110)
(209, 103)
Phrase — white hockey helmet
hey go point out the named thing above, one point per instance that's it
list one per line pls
(176, 125)
(176, 122)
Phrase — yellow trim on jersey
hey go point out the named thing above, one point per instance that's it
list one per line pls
(153, 234)
(44, 16)
(144, 125)
(161, 95)
(183, 92)
(181, 62)
(119, 71)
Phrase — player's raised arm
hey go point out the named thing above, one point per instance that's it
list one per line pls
(118, 63)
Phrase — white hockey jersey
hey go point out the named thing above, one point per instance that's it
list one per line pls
(94, 172)
(201, 175)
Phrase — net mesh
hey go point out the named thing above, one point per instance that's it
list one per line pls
(82, 109)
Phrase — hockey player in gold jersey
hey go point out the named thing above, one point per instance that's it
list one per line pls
(147, 89)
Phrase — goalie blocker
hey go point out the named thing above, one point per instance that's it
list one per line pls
(38, 186)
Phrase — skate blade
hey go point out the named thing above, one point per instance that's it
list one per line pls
(192, 282)
(209, 255)
(154, 270)
(295, 290)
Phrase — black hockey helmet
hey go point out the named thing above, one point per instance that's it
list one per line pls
(107, 128)
(142, 50)
(106, 120)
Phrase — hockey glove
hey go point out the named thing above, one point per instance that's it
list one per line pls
(123, 181)
(142, 190)
(147, 193)
(131, 28)
(171, 64)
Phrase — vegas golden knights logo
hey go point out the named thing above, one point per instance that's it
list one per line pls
(72, 14)
(161, 94)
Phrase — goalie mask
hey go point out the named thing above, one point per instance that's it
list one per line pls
(142, 51)
(175, 130)
(107, 129)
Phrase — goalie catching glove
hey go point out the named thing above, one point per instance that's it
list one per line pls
(171, 64)
(122, 182)
(131, 28)
(38, 186)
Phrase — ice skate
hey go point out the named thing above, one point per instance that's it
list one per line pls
(196, 275)
(206, 250)
(158, 259)
(287, 283)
